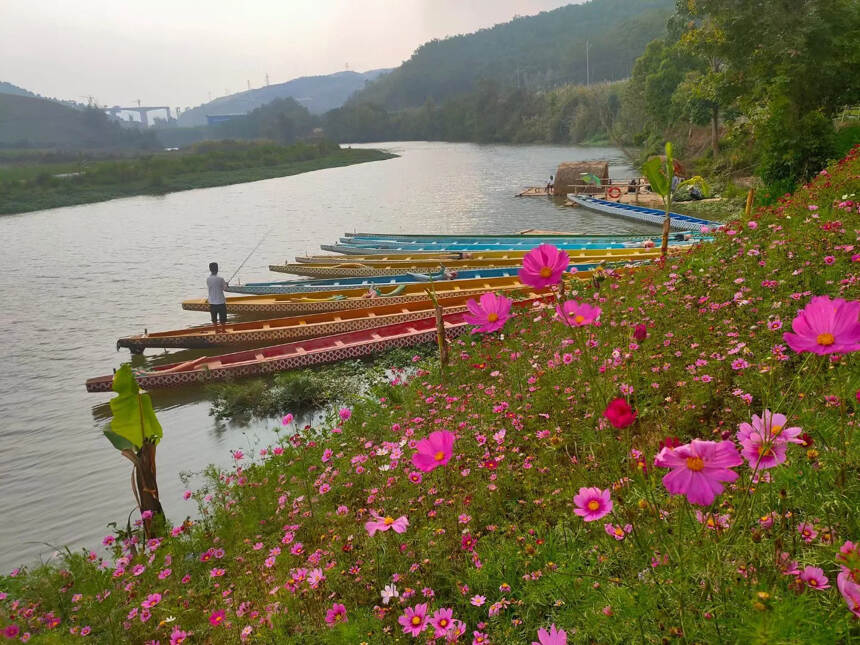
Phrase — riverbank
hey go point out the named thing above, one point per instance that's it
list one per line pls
(30, 188)
(376, 529)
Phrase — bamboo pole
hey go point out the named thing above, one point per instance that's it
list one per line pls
(750, 199)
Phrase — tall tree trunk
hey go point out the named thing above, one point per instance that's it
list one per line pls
(715, 129)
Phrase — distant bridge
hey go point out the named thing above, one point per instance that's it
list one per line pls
(142, 111)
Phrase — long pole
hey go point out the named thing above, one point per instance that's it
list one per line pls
(248, 257)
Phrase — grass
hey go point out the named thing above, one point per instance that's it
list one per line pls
(492, 535)
(28, 188)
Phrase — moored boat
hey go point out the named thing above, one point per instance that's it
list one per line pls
(308, 286)
(343, 299)
(454, 241)
(642, 214)
(280, 330)
(298, 354)
(378, 248)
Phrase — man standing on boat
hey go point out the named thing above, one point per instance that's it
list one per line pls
(217, 302)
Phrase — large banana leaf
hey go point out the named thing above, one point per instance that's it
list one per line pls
(133, 419)
(656, 174)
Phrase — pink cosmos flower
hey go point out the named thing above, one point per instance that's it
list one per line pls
(826, 326)
(640, 332)
(543, 266)
(217, 617)
(618, 532)
(552, 637)
(151, 601)
(619, 413)
(761, 454)
(441, 622)
(335, 615)
(345, 414)
(380, 523)
(850, 591)
(698, 468)
(807, 532)
(489, 313)
(575, 314)
(814, 578)
(764, 441)
(178, 636)
(414, 620)
(287, 420)
(592, 503)
(434, 451)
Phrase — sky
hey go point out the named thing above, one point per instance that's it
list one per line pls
(181, 53)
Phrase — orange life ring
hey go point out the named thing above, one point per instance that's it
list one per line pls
(614, 192)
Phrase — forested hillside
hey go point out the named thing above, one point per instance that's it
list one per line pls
(317, 93)
(530, 53)
(29, 122)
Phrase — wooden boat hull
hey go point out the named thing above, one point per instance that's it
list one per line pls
(344, 299)
(454, 241)
(382, 248)
(503, 236)
(299, 354)
(310, 286)
(642, 214)
(281, 330)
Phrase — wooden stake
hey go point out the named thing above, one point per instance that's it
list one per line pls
(750, 199)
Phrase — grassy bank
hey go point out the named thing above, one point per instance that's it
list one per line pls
(341, 535)
(35, 187)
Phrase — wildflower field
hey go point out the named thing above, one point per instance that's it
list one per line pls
(668, 456)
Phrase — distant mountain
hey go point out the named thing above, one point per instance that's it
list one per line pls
(8, 88)
(31, 122)
(317, 93)
(529, 53)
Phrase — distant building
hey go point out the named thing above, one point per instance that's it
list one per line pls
(212, 119)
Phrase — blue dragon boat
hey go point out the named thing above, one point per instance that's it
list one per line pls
(642, 214)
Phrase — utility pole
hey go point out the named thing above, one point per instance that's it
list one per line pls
(587, 69)
(267, 79)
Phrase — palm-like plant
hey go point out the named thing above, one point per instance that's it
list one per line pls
(660, 175)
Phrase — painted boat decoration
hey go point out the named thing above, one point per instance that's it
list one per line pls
(281, 330)
(382, 248)
(298, 354)
(642, 214)
(503, 236)
(343, 299)
(445, 275)
(477, 256)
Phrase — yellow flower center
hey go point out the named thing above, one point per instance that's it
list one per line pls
(813, 582)
(443, 622)
(619, 531)
(416, 620)
(579, 318)
(825, 339)
(388, 521)
(764, 451)
(545, 272)
(593, 505)
(695, 464)
(439, 456)
(775, 430)
(492, 317)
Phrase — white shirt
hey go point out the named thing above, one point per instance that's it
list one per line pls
(216, 285)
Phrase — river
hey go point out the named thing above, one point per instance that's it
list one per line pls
(75, 279)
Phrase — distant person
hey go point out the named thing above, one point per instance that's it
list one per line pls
(549, 185)
(217, 302)
(633, 186)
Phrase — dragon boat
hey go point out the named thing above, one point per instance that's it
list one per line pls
(642, 214)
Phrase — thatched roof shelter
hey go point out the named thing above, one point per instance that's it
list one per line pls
(568, 177)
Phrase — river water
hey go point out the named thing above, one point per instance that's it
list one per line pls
(75, 279)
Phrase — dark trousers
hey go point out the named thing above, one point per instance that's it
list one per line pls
(218, 313)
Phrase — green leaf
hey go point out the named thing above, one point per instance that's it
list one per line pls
(590, 178)
(653, 170)
(120, 443)
(696, 181)
(133, 417)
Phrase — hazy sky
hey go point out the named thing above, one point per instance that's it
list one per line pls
(181, 52)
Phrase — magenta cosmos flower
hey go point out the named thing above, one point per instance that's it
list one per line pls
(826, 326)
(764, 441)
(434, 451)
(380, 523)
(552, 637)
(489, 313)
(335, 615)
(814, 578)
(575, 314)
(698, 468)
(619, 413)
(592, 503)
(850, 591)
(441, 622)
(414, 619)
(543, 266)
